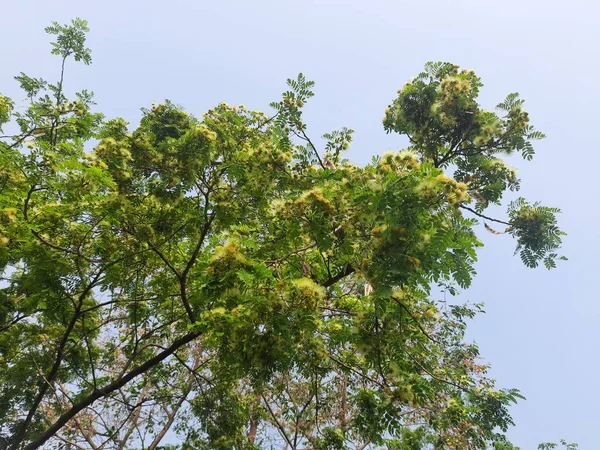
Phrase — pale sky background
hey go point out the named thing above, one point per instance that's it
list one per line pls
(541, 330)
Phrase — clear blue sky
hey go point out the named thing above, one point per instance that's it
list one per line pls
(541, 331)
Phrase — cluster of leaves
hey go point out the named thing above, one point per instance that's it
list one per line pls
(438, 111)
(220, 277)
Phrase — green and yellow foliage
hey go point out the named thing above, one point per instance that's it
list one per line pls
(207, 275)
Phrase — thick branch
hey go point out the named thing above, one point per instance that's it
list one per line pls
(49, 379)
(107, 390)
(349, 270)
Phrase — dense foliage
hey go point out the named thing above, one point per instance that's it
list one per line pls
(221, 283)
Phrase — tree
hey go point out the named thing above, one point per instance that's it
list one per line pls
(225, 279)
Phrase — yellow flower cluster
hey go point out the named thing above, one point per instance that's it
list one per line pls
(309, 289)
(399, 162)
(227, 256)
(113, 152)
(453, 191)
(203, 130)
(453, 85)
(315, 197)
(10, 214)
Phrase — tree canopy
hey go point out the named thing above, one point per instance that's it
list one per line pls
(227, 282)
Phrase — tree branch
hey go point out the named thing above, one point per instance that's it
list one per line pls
(482, 216)
(190, 264)
(349, 270)
(22, 430)
(295, 252)
(303, 136)
(107, 390)
(279, 426)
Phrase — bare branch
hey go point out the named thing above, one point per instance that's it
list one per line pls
(482, 216)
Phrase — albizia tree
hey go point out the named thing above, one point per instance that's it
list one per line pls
(226, 282)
